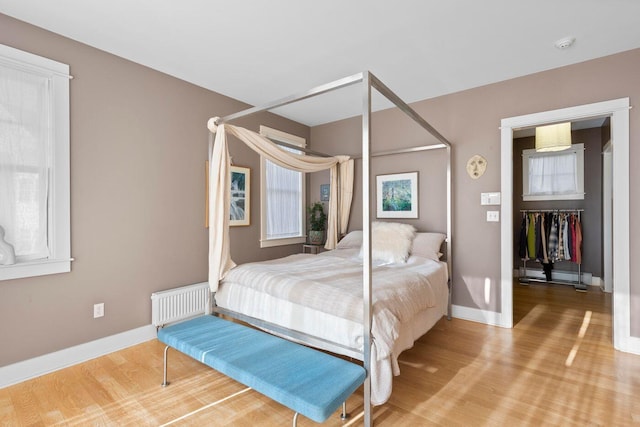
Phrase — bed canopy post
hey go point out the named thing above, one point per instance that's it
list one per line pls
(405, 108)
(449, 229)
(366, 241)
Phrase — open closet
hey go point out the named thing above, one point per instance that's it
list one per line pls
(558, 207)
(612, 127)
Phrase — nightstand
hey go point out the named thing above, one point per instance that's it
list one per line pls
(312, 249)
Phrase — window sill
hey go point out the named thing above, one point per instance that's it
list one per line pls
(282, 242)
(34, 268)
(541, 197)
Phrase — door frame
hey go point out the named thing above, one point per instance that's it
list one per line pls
(618, 110)
(607, 217)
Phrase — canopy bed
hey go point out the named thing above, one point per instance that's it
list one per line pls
(232, 286)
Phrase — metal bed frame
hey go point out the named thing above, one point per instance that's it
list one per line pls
(369, 81)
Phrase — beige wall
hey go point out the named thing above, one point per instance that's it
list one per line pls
(471, 120)
(138, 147)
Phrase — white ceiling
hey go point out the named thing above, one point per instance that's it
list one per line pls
(258, 51)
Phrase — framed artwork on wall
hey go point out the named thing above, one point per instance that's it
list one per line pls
(240, 209)
(324, 192)
(397, 195)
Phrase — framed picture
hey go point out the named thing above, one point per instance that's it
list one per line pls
(324, 192)
(240, 210)
(397, 195)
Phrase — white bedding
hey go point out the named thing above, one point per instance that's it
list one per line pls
(321, 295)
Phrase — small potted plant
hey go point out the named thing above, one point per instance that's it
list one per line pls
(317, 223)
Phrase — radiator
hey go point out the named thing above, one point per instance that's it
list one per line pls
(181, 303)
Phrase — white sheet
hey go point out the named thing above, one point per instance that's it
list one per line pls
(331, 305)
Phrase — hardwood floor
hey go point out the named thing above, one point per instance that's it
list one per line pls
(557, 366)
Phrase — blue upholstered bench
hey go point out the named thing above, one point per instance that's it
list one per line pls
(305, 380)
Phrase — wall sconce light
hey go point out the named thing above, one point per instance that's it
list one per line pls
(553, 137)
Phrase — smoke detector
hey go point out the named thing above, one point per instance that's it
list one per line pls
(565, 43)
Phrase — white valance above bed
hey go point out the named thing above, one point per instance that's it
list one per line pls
(341, 190)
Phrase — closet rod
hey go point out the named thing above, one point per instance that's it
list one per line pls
(550, 210)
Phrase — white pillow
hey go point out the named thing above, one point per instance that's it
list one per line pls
(391, 241)
(427, 245)
(351, 240)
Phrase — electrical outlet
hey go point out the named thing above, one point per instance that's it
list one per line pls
(98, 310)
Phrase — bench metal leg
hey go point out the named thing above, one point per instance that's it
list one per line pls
(295, 420)
(165, 382)
(344, 415)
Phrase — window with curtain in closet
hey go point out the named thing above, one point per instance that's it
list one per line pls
(557, 175)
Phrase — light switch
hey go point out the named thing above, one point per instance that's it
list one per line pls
(493, 216)
(490, 198)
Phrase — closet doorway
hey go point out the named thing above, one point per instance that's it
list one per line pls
(559, 283)
(574, 176)
(618, 112)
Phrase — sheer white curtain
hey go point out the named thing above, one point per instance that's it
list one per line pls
(24, 144)
(341, 196)
(220, 261)
(553, 174)
(284, 187)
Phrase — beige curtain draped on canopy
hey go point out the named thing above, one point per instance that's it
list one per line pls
(341, 190)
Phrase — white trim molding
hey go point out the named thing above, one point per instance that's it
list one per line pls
(41, 365)
(618, 110)
(631, 345)
(476, 315)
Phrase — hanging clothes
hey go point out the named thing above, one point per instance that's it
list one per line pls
(572, 229)
(553, 238)
(538, 237)
(560, 237)
(567, 240)
(578, 242)
(543, 238)
(522, 247)
(549, 237)
(531, 236)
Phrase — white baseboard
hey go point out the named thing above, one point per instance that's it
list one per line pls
(477, 315)
(598, 282)
(630, 345)
(32, 368)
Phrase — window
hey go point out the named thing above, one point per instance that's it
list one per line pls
(557, 175)
(282, 197)
(34, 164)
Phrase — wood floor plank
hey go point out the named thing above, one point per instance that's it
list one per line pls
(557, 366)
